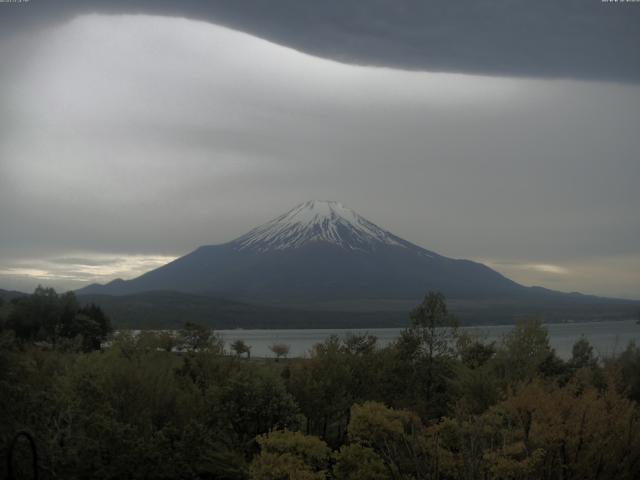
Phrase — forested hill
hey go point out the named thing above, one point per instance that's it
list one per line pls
(169, 310)
(165, 309)
(8, 295)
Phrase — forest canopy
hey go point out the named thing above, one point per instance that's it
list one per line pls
(437, 403)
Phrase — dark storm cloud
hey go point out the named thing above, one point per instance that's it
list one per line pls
(590, 39)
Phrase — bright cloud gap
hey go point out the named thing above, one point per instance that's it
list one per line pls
(93, 268)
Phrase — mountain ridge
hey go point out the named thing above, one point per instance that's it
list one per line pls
(322, 253)
(321, 249)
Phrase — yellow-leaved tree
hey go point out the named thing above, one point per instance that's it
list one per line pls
(290, 455)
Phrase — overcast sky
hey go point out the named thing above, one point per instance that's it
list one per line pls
(127, 140)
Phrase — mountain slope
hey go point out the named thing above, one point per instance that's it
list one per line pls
(163, 309)
(318, 251)
(170, 310)
(322, 264)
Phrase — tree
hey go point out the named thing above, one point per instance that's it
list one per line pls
(473, 352)
(582, 354)
(359, 344)
(579, 432)
(167, 341)
(146, 340)
(198, 338)
(357, 462)
(247, 400)
(524, 349)
(427, 347)
(34, 318)
(88, 322)
(396, 436)
(240, 347)
(627, 367)
(476, 389)
(47, 316)
(432, 324)
(324, 387)
(290, 455)
(280, 350)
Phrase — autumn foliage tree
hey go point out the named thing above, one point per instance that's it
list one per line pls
(290, 455)
(280, 350)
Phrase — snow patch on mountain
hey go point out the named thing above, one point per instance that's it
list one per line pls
(318, 221)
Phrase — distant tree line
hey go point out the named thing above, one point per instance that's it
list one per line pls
(436, 403)
(46, 316)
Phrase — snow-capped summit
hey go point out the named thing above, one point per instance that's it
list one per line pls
(318, 221)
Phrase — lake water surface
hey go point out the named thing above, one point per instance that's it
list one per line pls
(606, 337)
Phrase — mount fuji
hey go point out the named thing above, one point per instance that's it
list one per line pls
(323, 255)
(319, 250)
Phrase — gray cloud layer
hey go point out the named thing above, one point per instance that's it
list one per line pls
(592, 39)
(145, 135)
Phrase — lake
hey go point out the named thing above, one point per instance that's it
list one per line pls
(606, 337)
